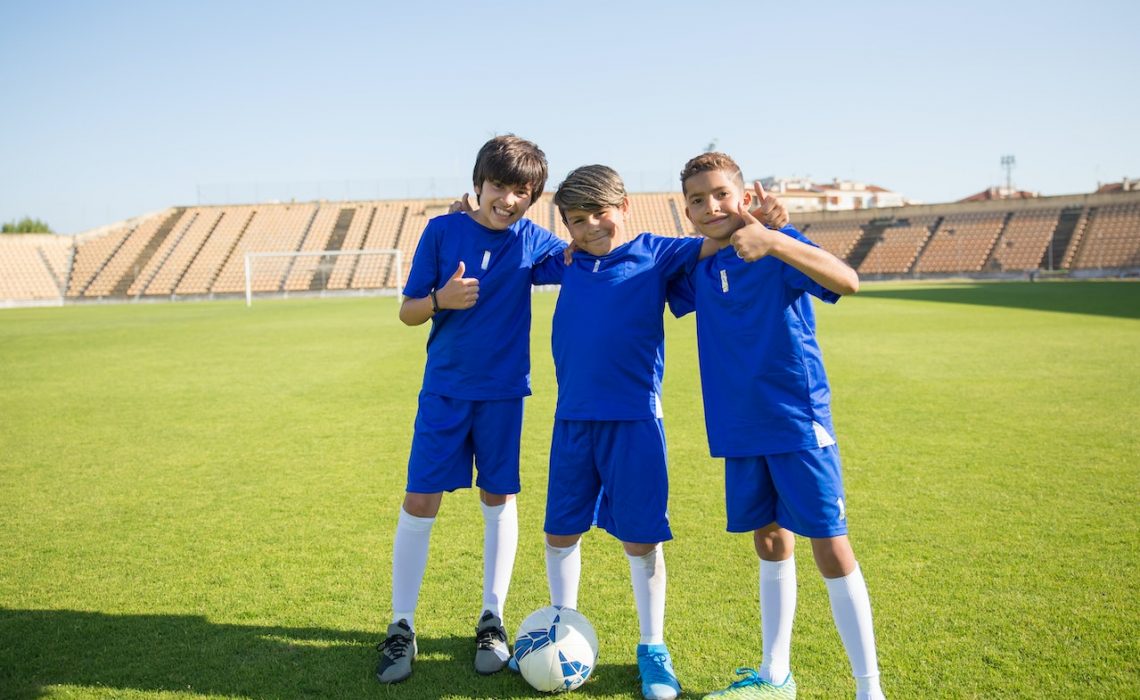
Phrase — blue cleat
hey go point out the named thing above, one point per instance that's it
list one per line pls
(753, 687)
(658, 680)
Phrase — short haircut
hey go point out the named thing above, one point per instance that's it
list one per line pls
(512, 161)
(712, 161)
(590, 188)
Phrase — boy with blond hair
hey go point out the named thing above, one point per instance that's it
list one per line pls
(768, 414)
(471, 276)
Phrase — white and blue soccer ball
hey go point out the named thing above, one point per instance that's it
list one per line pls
(556, 649)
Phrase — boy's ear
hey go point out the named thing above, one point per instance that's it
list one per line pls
(747, 199)
(624, 205)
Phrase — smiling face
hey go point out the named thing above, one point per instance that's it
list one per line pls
(597, 232)
(500, 204)
(712, 203)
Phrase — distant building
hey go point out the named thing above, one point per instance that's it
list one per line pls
(1125, 185)
(803, 195)
(1000, 193)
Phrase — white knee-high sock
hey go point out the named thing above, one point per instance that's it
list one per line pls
(648, 575)
(777, 611)
(851, 608)
(500, 542)
(409, 560)
(563, 571)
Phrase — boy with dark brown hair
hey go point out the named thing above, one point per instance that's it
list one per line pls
(471, 277)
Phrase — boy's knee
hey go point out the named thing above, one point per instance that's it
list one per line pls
(494, 499)
(422, 505)
(639, 549)
(833, 556)
(562, 541)
(774, 543)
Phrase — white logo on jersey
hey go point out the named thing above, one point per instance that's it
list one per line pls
(597, 264)
(842, 509)
(822, 437)
(486, 258)
(724, 281)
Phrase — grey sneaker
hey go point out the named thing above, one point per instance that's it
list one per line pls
(491, 652)
(396, 653)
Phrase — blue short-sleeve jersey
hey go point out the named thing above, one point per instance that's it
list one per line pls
(481, 353)
(762, 373)
(609, 335)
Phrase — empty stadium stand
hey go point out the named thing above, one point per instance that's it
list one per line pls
(1109, 240)
(34, 267)
(199, 251)
(1078, 235)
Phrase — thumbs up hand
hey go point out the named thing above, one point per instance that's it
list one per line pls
(752, 241)
(460, 292)
(769, 209)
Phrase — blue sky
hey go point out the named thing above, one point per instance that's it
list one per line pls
(114, 109)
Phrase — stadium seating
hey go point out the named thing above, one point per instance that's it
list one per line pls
(299, 272)
(1026, 239)
(375, 271)
(836, 237)
(962, 243)
(33, 266)
(91, 257)
(655, 213)
(200, 250)
(171, 261)
(898, 249)
(1110, 239)
(215, 250)
(270, 229)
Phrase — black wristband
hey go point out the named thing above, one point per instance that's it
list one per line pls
(434, 302)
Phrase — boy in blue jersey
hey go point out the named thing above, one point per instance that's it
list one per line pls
(608, 342)
(767, 411)
(471, 275)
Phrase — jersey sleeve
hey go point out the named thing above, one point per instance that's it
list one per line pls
(681, 295)
(424, 275)
(544, 244)
(798, 280)
(549, 270)
(676, 256)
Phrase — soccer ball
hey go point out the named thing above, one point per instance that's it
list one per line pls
(556, 649)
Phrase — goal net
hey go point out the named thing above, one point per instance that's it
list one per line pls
(376, 270)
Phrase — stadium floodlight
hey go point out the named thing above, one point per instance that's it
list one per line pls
(1008, 162)
(323, 271)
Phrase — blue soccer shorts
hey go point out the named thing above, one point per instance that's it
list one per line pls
(623, 462)
(801, 491)
(451, 434)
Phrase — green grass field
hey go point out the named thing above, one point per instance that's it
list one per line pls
(198, 500)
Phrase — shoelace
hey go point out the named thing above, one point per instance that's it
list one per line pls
(751, 677)
(395, 646)
(487, 637)
(657, 671)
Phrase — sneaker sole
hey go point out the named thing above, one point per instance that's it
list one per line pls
(393, 681)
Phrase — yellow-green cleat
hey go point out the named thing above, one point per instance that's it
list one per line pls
(753, 687)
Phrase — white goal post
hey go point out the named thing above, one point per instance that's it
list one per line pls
(332, 269)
